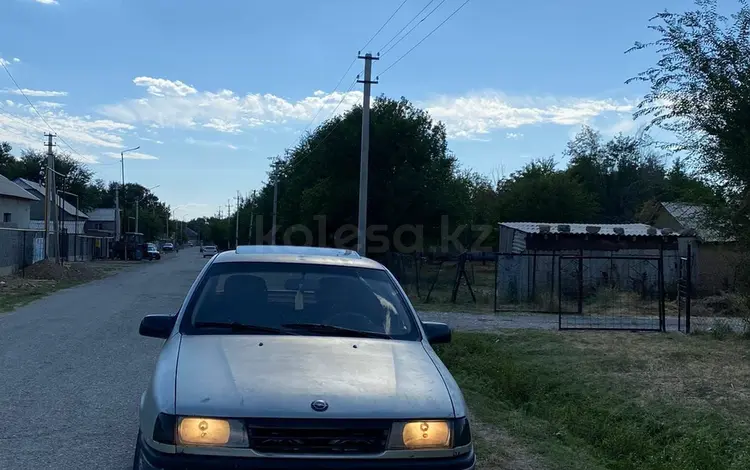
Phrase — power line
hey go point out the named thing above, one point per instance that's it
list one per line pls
(18, 118)
(296, 162)
(384, 25)
(424, 38)
(37, 111)
(343, 76)
(407, 24)
(412, 29)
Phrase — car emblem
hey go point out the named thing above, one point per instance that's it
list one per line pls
(319, 405)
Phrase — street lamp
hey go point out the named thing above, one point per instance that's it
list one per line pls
(122, 163)
(138, 203)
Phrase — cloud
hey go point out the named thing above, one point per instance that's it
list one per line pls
(16, 60)
(174, 104)
(467, 117)
(215, 143)
(23, 129)
(513, 135)
(159, 142)
(47, 2)
(36, 93)
(132, 156)
(3, 62)
(163, 87)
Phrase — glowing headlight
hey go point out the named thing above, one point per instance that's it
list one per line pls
(211, 432)
(416, 435)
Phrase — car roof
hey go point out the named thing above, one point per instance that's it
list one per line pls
(296, 254)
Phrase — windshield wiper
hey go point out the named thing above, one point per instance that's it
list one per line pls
(323, 328)
(236, 326)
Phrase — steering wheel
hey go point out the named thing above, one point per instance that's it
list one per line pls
(365, 323)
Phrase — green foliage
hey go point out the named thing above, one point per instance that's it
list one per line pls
(415, 180)
(152, 213)
(700, 91)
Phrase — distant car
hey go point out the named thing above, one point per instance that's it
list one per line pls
(152, 252)
(299, 358)
(168, 247)
(209, 250)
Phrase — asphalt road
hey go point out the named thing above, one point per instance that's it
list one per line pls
(73, 367)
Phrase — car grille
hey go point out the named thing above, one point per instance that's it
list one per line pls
(326, 437)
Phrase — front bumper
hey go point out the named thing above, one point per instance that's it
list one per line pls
(162, 461)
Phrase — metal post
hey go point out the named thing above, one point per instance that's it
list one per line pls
(688, 288)
(364, 155)
(137, 203)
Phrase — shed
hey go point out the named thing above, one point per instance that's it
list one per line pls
(715, 257)
(538, 258)
(15, 204)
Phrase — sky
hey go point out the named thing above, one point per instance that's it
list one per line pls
(210, 91)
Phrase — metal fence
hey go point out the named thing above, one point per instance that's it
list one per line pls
(611, 293)
(20, 248)
(575, 291)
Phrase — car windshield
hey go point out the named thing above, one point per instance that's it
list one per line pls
(298, 298)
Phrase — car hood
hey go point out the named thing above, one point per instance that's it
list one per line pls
(280, 376)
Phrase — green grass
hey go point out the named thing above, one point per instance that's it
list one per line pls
(611, 400)
(11, 299)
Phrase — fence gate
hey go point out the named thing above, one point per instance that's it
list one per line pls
(684, 289)
(611, 293)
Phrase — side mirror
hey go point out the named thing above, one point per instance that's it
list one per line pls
(437, 333)
(157, 326)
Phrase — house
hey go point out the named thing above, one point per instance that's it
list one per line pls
(15, 204)
(101, 222)
(715, 259)
(69, 217)
(538, 259)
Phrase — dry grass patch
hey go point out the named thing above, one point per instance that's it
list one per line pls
(592, 400)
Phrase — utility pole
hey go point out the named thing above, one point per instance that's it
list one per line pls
(124, 202)
(250, 229)
(364, 155)
(275, 203)
(51, 191)
(117, 211)
(237, 223)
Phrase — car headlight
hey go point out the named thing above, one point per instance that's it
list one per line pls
(196, 431)
(429, 434)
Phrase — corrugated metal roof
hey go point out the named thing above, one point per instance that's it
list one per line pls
(693, 216)
(102, 214)
(67, 207)
(10, 189)
(630, 230)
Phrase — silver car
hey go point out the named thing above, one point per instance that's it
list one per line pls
(293, 357)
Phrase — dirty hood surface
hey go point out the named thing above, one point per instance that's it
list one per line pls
(280, 376)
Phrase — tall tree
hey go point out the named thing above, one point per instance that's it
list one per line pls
(700, 90)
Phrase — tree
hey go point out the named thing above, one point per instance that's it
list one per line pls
(540, 193)
(700, 90)
(413, 179)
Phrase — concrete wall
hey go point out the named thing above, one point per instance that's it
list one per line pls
(19, 210)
